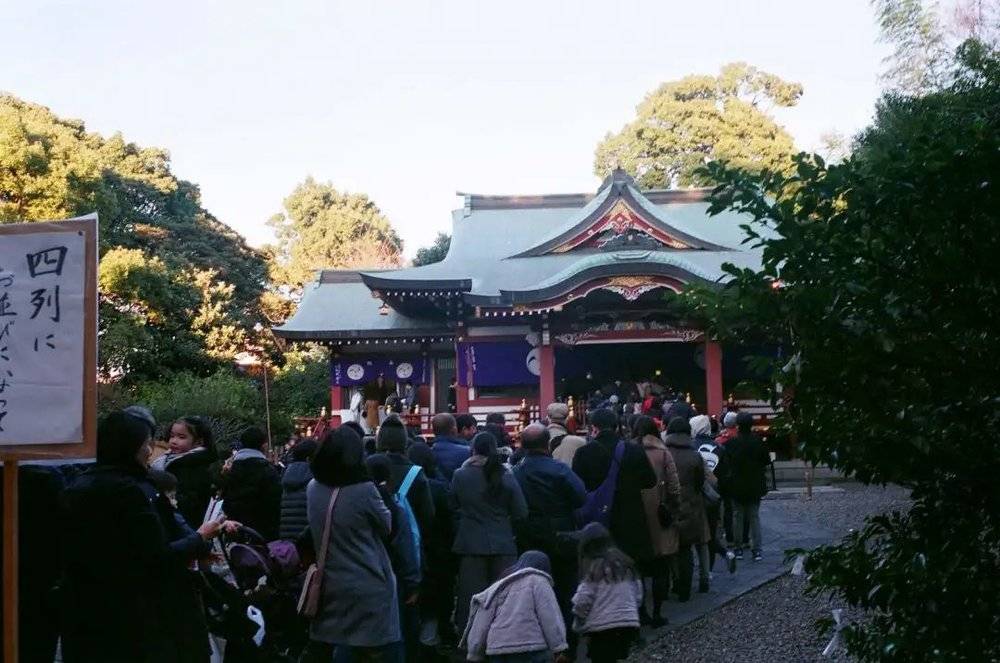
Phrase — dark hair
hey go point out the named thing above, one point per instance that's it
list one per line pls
(600, 559)
(119, 438)
(604, 420)
(714, 423)
(392, 435)
(379, 468)
(679, 425)
(443, 424)
(356, 427)
(253, 438)
(201, 433)
(500, 433)
(744, 422)
(496, 418)
(484, 444)
(466, 421)
(421, 454)
(340, 459)
(304, 449)
(165, 482)
(643, 426)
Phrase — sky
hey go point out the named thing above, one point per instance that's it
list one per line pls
(412, 101)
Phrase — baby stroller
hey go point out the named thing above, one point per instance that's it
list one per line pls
(252, 603)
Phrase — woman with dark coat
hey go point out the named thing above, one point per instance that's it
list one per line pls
(298, 474)
(190, 456)
(487, 499)
(592, 463)
(437, 597)
(358, 613)
(127, 595)
(692, 522)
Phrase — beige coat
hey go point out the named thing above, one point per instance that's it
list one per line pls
(668, 490)
(568, 446)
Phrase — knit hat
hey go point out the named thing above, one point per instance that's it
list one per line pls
(141, 412)
(557, 413)
(729, 421)
(391, 435)
(700, 425)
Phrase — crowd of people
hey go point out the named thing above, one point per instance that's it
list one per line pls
(469, 545)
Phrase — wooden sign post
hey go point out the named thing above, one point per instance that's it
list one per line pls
(48, 365)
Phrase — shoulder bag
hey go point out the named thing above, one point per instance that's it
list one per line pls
(312, 588)
(662, 512)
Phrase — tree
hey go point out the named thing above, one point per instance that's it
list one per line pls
(324, 228)
(436, 252)
(923, 36)
(179, 289)
(876, 282)
(684, 124)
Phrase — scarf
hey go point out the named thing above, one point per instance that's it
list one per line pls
(166, 459)
(475, 460)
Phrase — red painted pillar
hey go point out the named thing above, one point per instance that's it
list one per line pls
(461, 386)
(547, 379)
(336, 404)
(713, 377)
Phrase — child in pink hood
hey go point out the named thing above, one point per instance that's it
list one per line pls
(606, 603)
(517, 618)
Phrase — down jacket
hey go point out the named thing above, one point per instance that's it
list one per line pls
(599, 606)
(517, 614)
(294, 517)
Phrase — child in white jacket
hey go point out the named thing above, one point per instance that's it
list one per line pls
(517, 618)
(607, 600)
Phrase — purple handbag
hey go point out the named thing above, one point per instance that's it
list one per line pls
(597, 507)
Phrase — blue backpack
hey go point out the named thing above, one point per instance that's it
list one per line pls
(404, 506)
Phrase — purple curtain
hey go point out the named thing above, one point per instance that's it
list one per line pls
(497, 364)
(359, 370)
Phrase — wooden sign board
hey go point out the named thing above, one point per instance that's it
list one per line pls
(48, 339)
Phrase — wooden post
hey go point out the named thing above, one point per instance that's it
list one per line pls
(10, 562)
(547, 377)
(267, 405)
(461, 389)
(713, 378)
(336, 404)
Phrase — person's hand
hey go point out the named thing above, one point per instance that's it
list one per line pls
(228, 465)
(211, 529)
(230, 526)
(562, 657)
(412, 599)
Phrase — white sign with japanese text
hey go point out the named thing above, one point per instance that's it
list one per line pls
(42, 323)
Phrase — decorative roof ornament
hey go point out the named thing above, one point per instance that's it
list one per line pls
(618, 214)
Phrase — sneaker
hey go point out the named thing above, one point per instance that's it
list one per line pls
(739, 555)
(757, 557)
(731, 560)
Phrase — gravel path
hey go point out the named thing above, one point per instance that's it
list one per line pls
(775, 622)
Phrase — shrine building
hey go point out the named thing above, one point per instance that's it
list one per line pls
(539, 298)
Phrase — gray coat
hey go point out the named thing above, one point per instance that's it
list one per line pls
(484, 523)
(359, 606)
